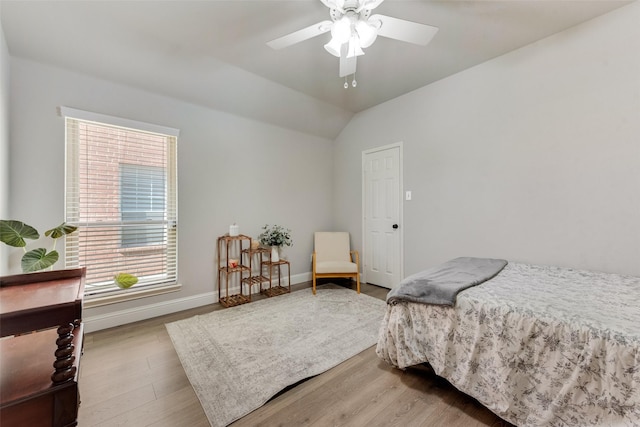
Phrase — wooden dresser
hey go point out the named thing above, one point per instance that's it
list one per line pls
(40, 348)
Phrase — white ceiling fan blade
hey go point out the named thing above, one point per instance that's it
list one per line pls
(347, 65)
(406, 31)
(300, 35)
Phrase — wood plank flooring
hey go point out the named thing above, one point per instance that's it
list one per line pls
(131, 376)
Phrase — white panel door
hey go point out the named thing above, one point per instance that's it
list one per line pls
(382, 211)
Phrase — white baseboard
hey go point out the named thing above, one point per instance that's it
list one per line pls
(149, 311)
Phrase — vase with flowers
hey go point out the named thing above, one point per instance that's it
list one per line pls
(275, 236)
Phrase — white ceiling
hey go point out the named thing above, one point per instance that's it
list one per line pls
(214, 52)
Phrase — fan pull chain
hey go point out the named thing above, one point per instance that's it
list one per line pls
(354, 83)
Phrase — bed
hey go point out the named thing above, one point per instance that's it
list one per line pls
(537, 345)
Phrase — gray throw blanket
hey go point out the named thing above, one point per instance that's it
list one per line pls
(441, 284)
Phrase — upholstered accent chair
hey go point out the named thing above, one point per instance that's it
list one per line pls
(333, 257)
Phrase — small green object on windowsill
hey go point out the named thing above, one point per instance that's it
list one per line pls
(125, 280)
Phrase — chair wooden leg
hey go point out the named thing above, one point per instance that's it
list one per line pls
(358, 282)
(313, 271)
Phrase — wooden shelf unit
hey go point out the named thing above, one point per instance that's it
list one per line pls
(41, 326)
(231, 247)
(273, 291)
(255, 278)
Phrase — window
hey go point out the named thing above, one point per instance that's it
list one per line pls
(121, 192)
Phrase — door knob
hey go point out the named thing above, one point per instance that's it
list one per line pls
(395, 226)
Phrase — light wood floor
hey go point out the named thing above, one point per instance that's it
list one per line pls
(131, 376)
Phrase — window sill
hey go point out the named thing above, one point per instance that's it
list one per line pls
(128, 295)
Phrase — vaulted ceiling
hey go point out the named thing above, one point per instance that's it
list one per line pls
(214, 53)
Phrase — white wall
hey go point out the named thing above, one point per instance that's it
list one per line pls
(4, 142)
(533, 156)
(230, 169)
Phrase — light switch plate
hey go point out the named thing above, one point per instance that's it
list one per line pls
(408, 195)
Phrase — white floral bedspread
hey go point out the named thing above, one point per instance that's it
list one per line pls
(537, 345)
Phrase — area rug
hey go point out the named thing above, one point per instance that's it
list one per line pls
(238, 358)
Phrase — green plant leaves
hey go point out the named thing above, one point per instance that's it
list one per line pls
(61, 230)
(125, 280)
(13, 233)
(275, 235)
(38, 259)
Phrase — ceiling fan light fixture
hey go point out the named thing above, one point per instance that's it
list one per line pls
(367, 33)
(333, 47)
(341, 30)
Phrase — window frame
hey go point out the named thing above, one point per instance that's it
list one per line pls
(105, 292)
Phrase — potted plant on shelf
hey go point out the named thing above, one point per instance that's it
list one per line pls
(275, 236)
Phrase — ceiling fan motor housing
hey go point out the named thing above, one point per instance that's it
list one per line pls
(351, 12)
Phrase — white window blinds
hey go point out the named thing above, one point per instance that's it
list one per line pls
(121, 192)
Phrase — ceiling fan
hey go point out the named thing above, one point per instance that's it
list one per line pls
(353, 28)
